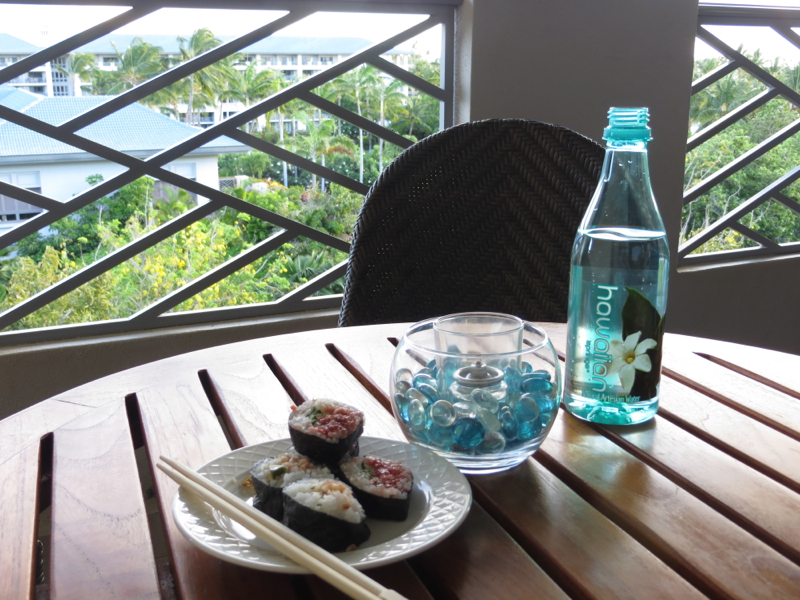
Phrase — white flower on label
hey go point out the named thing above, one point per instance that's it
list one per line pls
(630, 356)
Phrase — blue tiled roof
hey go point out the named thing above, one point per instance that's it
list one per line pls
(15, 99)
(13, 45)
(134, 128)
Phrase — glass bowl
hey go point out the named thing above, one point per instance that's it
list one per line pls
(480, 389)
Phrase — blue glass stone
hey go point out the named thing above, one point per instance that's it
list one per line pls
(526, 368)
(512, 378)
(468, 433)
(402, 386)
(430, 391)
(443, 413)
(485, 399)
(489, 420)
(465, 410)
(508, 423)
(547, 403)
(493, 442)
(415, 394)
(439, 436)
(416, 414)
(529, 429)
(421, 378)
(543, 374)
(533, 384)
(526, 409)
(431, 364)
(404, 375)
(402, 406)
(546, 416)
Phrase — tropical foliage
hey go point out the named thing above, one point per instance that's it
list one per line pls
(71, 244)
(772, 219)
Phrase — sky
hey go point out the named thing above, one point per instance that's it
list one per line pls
(44, 25)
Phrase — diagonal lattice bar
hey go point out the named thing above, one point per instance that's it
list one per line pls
(146, 315)
(73, 43)
(409, 78)
(754, 235)
(763, 76)
(354, 119)
(28, 196)
(713, 76)
(738, 212)
(741, 162)
(303, 163)
(787, 202)
(100, 266)
(729, 119)
(295, 299)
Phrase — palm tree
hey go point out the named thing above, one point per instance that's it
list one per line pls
(209, 81)
(248, 86)
(137, 64)
(79, 68)
(357, 86)
(390, 97)
(419, 117)
(318, 140)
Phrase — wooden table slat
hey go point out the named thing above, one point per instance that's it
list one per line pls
(480, 560)
(397, 576)
(18, 519)
(679, 528)
(778, 410)
(750, 441)
(254, 404)
(570, 537)
(778, 369)
(96, 494)
(178, 422)
(761, 505)
(317, 373)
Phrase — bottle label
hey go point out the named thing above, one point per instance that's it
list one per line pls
(622, 337)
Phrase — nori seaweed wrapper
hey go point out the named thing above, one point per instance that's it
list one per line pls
(331, 533)
(318, 449)
(269, 498)
(379, 507)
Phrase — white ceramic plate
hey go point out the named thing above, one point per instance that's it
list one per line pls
(440, 502)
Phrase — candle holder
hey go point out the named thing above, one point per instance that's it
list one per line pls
(480, 389)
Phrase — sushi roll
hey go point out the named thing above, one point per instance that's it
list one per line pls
(383, 487)
(271, 474)
(325, 512)
(325, 430)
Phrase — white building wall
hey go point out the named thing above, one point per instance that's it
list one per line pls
(62, 181)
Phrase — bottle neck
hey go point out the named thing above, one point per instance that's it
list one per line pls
(627, 162)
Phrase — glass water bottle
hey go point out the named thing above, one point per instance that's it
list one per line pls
(618, 286)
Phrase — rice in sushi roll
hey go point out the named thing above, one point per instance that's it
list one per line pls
(271, 474)
(325, 512)
(325, 430)
(383, 487)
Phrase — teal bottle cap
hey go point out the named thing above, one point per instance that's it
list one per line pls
(628, 124)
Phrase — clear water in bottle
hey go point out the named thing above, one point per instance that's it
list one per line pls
(602, 386)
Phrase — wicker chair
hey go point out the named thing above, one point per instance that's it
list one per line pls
(478, 217)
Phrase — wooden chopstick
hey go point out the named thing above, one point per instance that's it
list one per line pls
(302, 551)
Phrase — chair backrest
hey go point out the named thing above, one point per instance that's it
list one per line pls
(478, 217)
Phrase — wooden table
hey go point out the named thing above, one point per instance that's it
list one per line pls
(700, 502)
